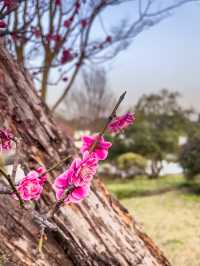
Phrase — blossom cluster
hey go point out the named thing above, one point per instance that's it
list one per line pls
(31, 186)
(121, 122)
(82, 170)
(8, 5)
(73, 185)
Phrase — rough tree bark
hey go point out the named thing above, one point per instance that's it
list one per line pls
(99, 231)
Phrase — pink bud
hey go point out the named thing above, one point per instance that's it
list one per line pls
(36, 32)
(71, 18)
(77, 5)
(3, 24)
(65, 79)
(57, 37)
(66, 56)
(54, 37)
(14, 35)
(57, 2)
(84, 23)
(67, 23)
(109, 39)
(9, 3)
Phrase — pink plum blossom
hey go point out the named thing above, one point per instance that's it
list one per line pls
(58, 2)
(67, 56)
(101, 149)
(78, 175)
(6, 138)
(83, 170)
(36, 32)
(64, 182)
(108, 39)
(84, 23)
(3, 24)
(9, 3)
(67, 23)
(65, 79)
(121, 122)
(30, 187)
(54, 37)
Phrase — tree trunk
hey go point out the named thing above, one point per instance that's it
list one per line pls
(156, 167)
(99, 231)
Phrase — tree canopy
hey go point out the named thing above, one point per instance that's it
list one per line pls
(161, 120)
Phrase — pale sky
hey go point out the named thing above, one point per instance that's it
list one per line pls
(165, 56)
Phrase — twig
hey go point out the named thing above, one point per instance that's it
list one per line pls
(55, 166)
(5, 190)
(59, 203)
(12, 185)
(113, 114)
(41, 240)
(16, 158)
(110, 118)
(42, 221)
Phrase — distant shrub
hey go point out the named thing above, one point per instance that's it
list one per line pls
(131, 164)
(127, 165)
(189, 157)
(130, 159)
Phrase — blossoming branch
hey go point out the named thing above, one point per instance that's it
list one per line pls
(73, 185)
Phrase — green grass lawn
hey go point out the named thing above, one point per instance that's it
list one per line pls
(172, 219)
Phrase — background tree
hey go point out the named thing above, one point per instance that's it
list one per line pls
(160, 122)
(189, 157)
(92, 100)
(189, 152)
(57, 36)
(99, 231)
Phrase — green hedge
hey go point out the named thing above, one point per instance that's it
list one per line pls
(130, 159)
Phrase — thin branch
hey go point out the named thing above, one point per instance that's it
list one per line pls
(70, 189)
(42, 221)
(12, 185)
(68, 86)
(110, 118)
(82, 54)
(5, 190)
(58, 164)
(169, 8)
(60, 202)
(16, 159)
(41, 240)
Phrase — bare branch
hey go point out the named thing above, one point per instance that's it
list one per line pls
(53, 210)
(51, 29)
(12, 185)
(5, 190)
(16, 158)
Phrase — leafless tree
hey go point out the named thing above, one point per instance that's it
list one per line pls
(92, 99)
(57, 37)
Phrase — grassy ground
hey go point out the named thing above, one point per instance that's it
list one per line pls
(172, 218)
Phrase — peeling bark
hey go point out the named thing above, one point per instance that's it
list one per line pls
(99, 231)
